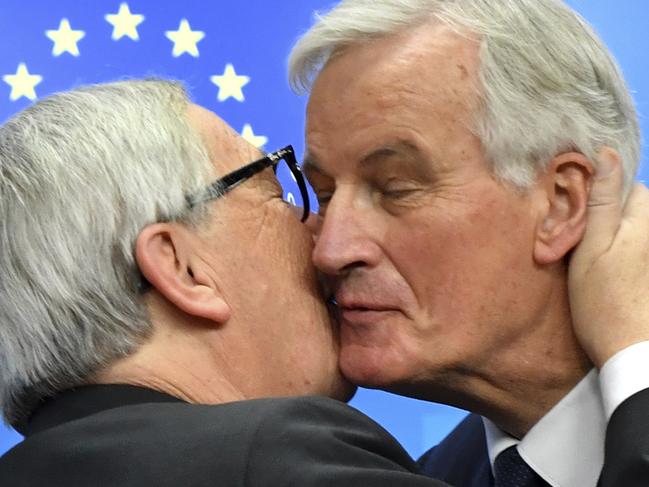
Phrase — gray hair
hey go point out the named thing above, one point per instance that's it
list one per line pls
(548, 82)
(81, 173)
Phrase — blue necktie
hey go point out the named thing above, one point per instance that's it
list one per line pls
(510, 470)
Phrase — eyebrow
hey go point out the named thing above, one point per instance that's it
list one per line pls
(384, 152)
(387, 151)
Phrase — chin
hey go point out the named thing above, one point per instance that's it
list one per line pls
(381, 366)
(365, 371)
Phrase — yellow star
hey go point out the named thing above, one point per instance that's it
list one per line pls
(230, 84)
(22, 83)
(257, 140)
(65, 39)
(124, 23)
(185, 39)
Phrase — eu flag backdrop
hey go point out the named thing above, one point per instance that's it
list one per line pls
(232, 56)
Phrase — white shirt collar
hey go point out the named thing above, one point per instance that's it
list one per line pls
(566, 446)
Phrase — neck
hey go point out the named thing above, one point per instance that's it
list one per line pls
(163, 365)
(531, 378)
(539, 365)
(190, 388)
(517, 401)
(524, 377)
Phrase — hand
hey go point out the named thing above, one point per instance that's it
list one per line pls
(609, 270)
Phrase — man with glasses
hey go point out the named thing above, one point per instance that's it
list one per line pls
(143, 316)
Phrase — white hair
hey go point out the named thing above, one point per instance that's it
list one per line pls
(548, 83)
(81, 173)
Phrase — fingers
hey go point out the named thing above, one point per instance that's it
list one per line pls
(605, 203)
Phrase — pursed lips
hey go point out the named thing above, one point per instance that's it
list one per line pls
(355, 310)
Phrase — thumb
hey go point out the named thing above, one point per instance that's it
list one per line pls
(604, 204)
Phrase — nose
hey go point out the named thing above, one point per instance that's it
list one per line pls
(344, 239)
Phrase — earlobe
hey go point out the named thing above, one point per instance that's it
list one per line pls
(564, 190)
(166, 259)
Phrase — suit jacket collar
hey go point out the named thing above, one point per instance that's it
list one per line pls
(84, 401)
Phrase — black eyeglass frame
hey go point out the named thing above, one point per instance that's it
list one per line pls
(227, 183)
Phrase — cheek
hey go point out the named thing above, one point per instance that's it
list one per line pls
(286, 249)
(268, 263)
(293, 258)
(278, 244)
(458, 263)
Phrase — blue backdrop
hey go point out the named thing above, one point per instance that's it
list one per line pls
(232, 55)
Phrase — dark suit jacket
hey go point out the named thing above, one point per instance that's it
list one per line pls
(462, 460)
(127, 436)
(626, 456)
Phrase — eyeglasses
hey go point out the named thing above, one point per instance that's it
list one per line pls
(231, 180)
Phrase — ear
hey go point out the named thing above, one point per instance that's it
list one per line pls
(166, 258)
(564, 189)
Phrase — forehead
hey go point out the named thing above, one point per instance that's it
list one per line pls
(425, 77)
(226, 148)
(430, 55)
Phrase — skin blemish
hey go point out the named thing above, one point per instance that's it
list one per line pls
(464, 73)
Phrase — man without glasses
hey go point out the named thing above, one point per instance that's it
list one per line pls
(452, 145)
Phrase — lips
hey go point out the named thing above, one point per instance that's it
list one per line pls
(365, 318)
(365, 311)
(345, 302)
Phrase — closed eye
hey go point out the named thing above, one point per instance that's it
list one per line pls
(398, 193)
(323, 198)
